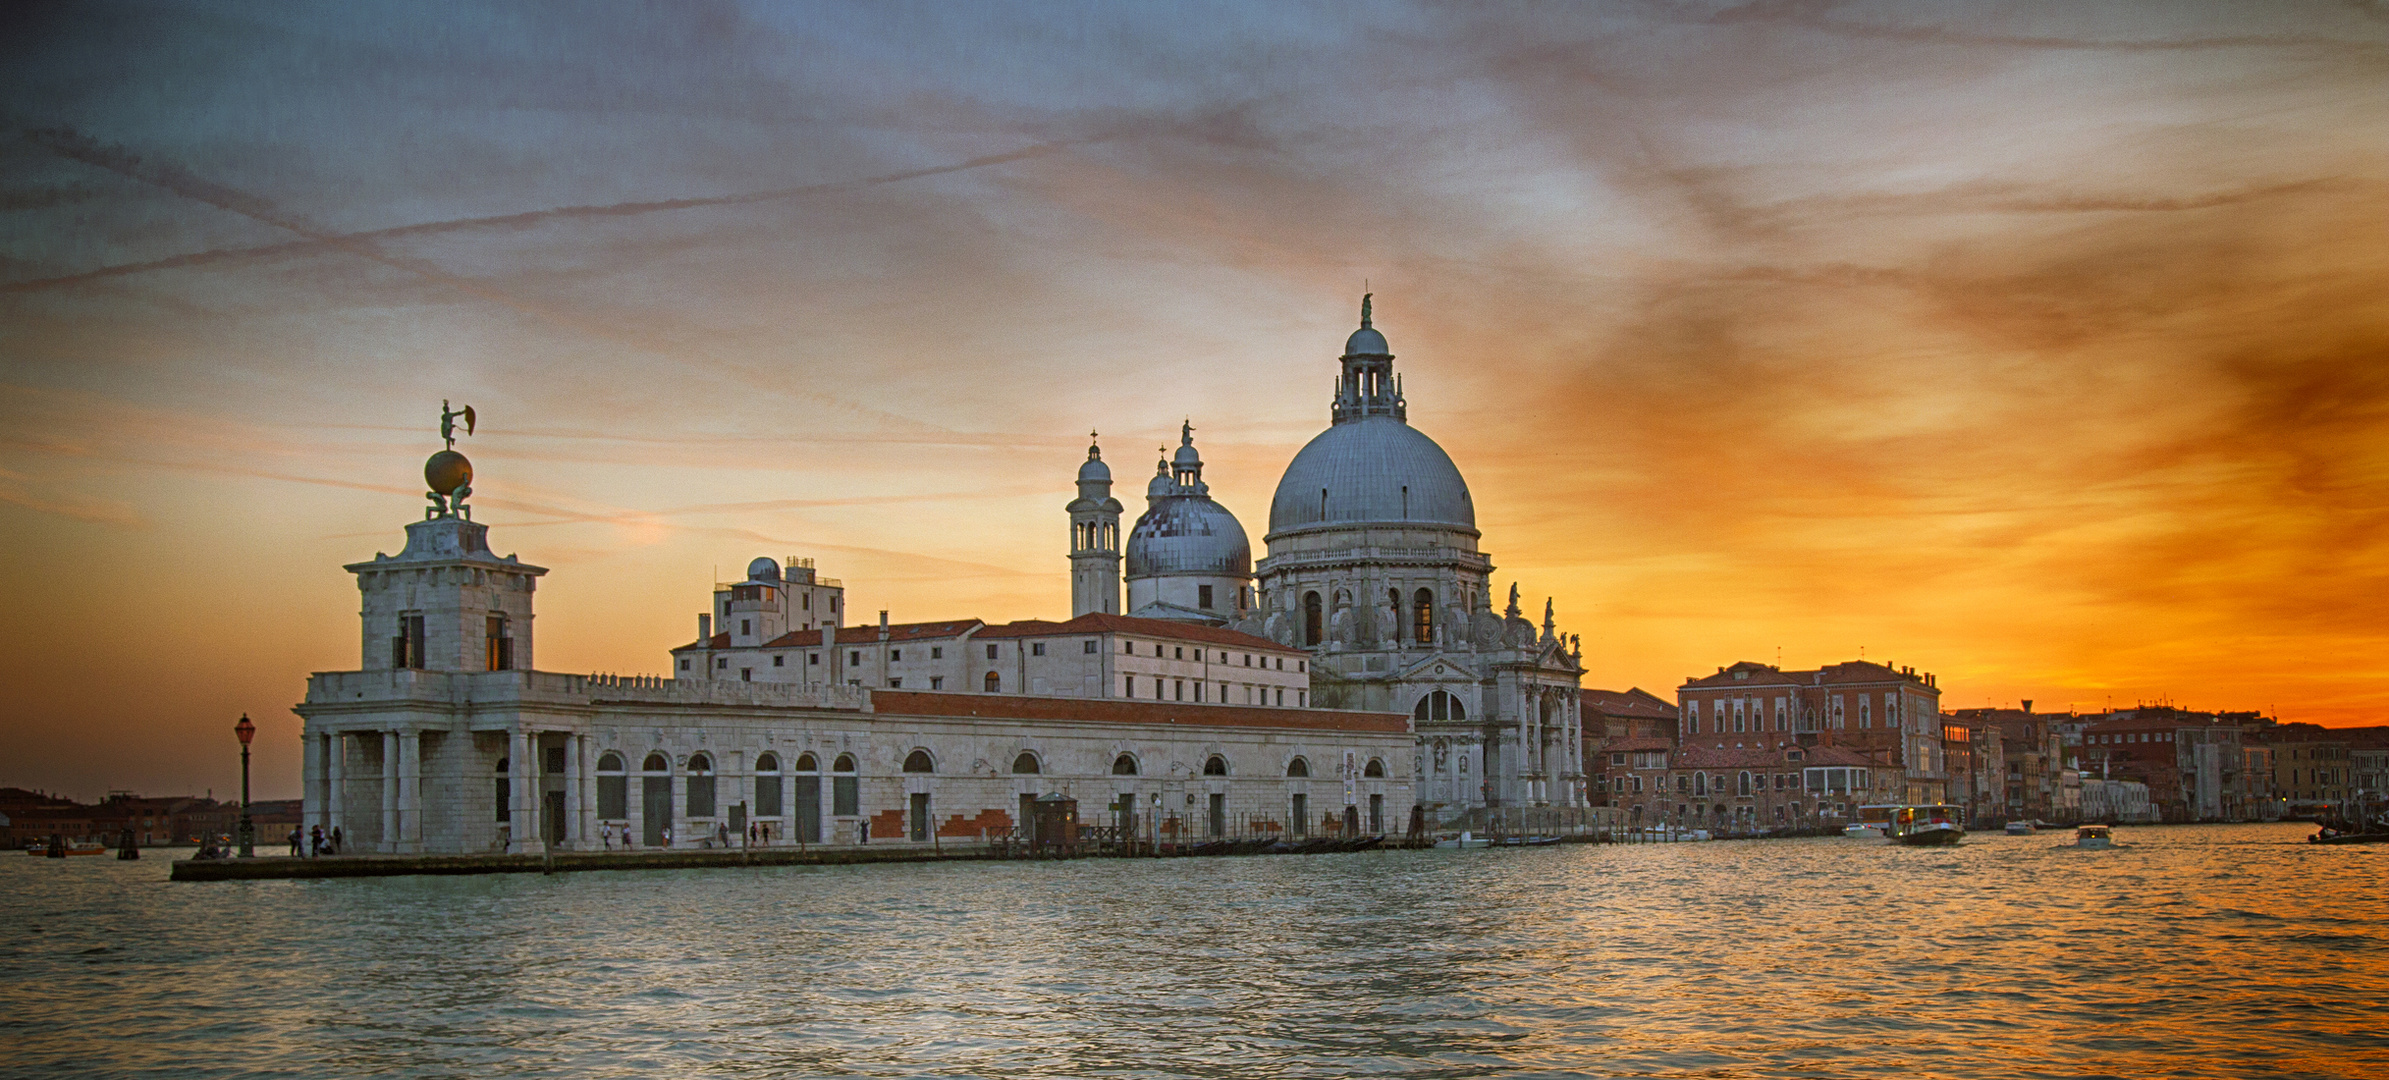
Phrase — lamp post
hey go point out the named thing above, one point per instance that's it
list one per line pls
(246, 731)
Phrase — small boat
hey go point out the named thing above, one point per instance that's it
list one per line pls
(1874, 821)
(2019, 828)
(1465, 840)
(86, 847)
(2328, 836)
(1935, 825)
(2092, 836)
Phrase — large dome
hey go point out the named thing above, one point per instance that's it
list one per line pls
(1372, 469)
(1188, 534)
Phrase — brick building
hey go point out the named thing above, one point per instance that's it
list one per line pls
(1889, 716)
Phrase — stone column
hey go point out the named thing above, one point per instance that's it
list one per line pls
(410, 791)
(389, 792)
(311, 806)
(335, 781)
(523, 814)
(576, 829)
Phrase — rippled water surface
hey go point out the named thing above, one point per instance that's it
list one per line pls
(2213, 951)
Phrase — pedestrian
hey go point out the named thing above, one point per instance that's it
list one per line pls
(295, 852)
(315, 840)
(337, 843)
(667, 831)
(607, 834)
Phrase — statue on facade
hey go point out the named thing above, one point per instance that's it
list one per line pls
(448, 473)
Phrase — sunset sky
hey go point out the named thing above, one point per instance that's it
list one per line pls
(2044, 347)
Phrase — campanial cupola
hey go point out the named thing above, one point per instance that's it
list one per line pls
(1368, 385)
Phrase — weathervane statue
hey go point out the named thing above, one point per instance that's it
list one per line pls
(448, 472)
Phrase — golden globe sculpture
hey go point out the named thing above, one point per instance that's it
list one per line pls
(447, 471)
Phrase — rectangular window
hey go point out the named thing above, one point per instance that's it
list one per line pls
(1302, 699)
(991, 652)
(1087, 647)
(1203, 597)
(1180, 650)
(779, 661)
(1036, 648)
(1198, 691)
(721, 663)
(406, 649)
(746, 674)
(1128, 686)
(895, 684)
(1281, 697)
(1178, 692)
(846, 799)
(937, 682)
(700, 795)
(1128, 647)
(895, 656)
(854, 658)
(501, 647)
(505, 799)
(768, 789)
(1299, 665)
(555, 761)
(937, 652)
(1302, 815)
(684, 663)
(812, 659)
(808, 601)
(746, 626)
(1198, 656)
(1248, 659)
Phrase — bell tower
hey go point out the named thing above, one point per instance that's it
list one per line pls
(1094, 539)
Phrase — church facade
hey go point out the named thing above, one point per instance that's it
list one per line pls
(1372, 568)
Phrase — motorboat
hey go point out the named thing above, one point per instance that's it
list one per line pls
(1934, 825)
(2092, 836)
(1466, 840)
(1873, 822)
(2019, 828)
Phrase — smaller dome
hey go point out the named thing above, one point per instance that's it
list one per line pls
(1161, 486)
(1094, 471)
(1366, 341)
(763, 569)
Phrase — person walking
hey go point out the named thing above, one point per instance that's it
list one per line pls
(337, 843)
(607, 834)
(295, 851)
(315, 841)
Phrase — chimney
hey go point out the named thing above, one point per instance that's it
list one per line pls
(883, 624)
(705, 627)
(2028, 706)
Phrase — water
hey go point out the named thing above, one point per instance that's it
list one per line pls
(2213, 951)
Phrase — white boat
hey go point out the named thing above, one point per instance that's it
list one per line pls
(1874, 823)
(1930, 825)
(1465, 840)
(2093, 836)
(2019, 828)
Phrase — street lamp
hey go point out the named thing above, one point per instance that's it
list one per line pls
(246, 731)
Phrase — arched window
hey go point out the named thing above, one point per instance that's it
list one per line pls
(1700, 783)
(505, 793)
(613, 788)
(1422, 617)
(806, 762)
(1124, 765)
(1215, 765)
(846, 795)
(656, 763)
(1298, 767)
(1742, 784)
(768, 788)
(1439, 707)
(995, 683)
(1375, 769)
(700, 786)
(1025, 764)
(1313, 619)
(918, 762)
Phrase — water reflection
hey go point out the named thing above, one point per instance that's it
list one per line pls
(2204, 951)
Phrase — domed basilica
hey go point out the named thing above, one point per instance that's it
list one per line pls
(1373, 568)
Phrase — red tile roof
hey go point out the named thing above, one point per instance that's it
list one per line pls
(851, 635)
(1128, 711)
(1634, 702)
(1128, 624)
(1646, 743)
